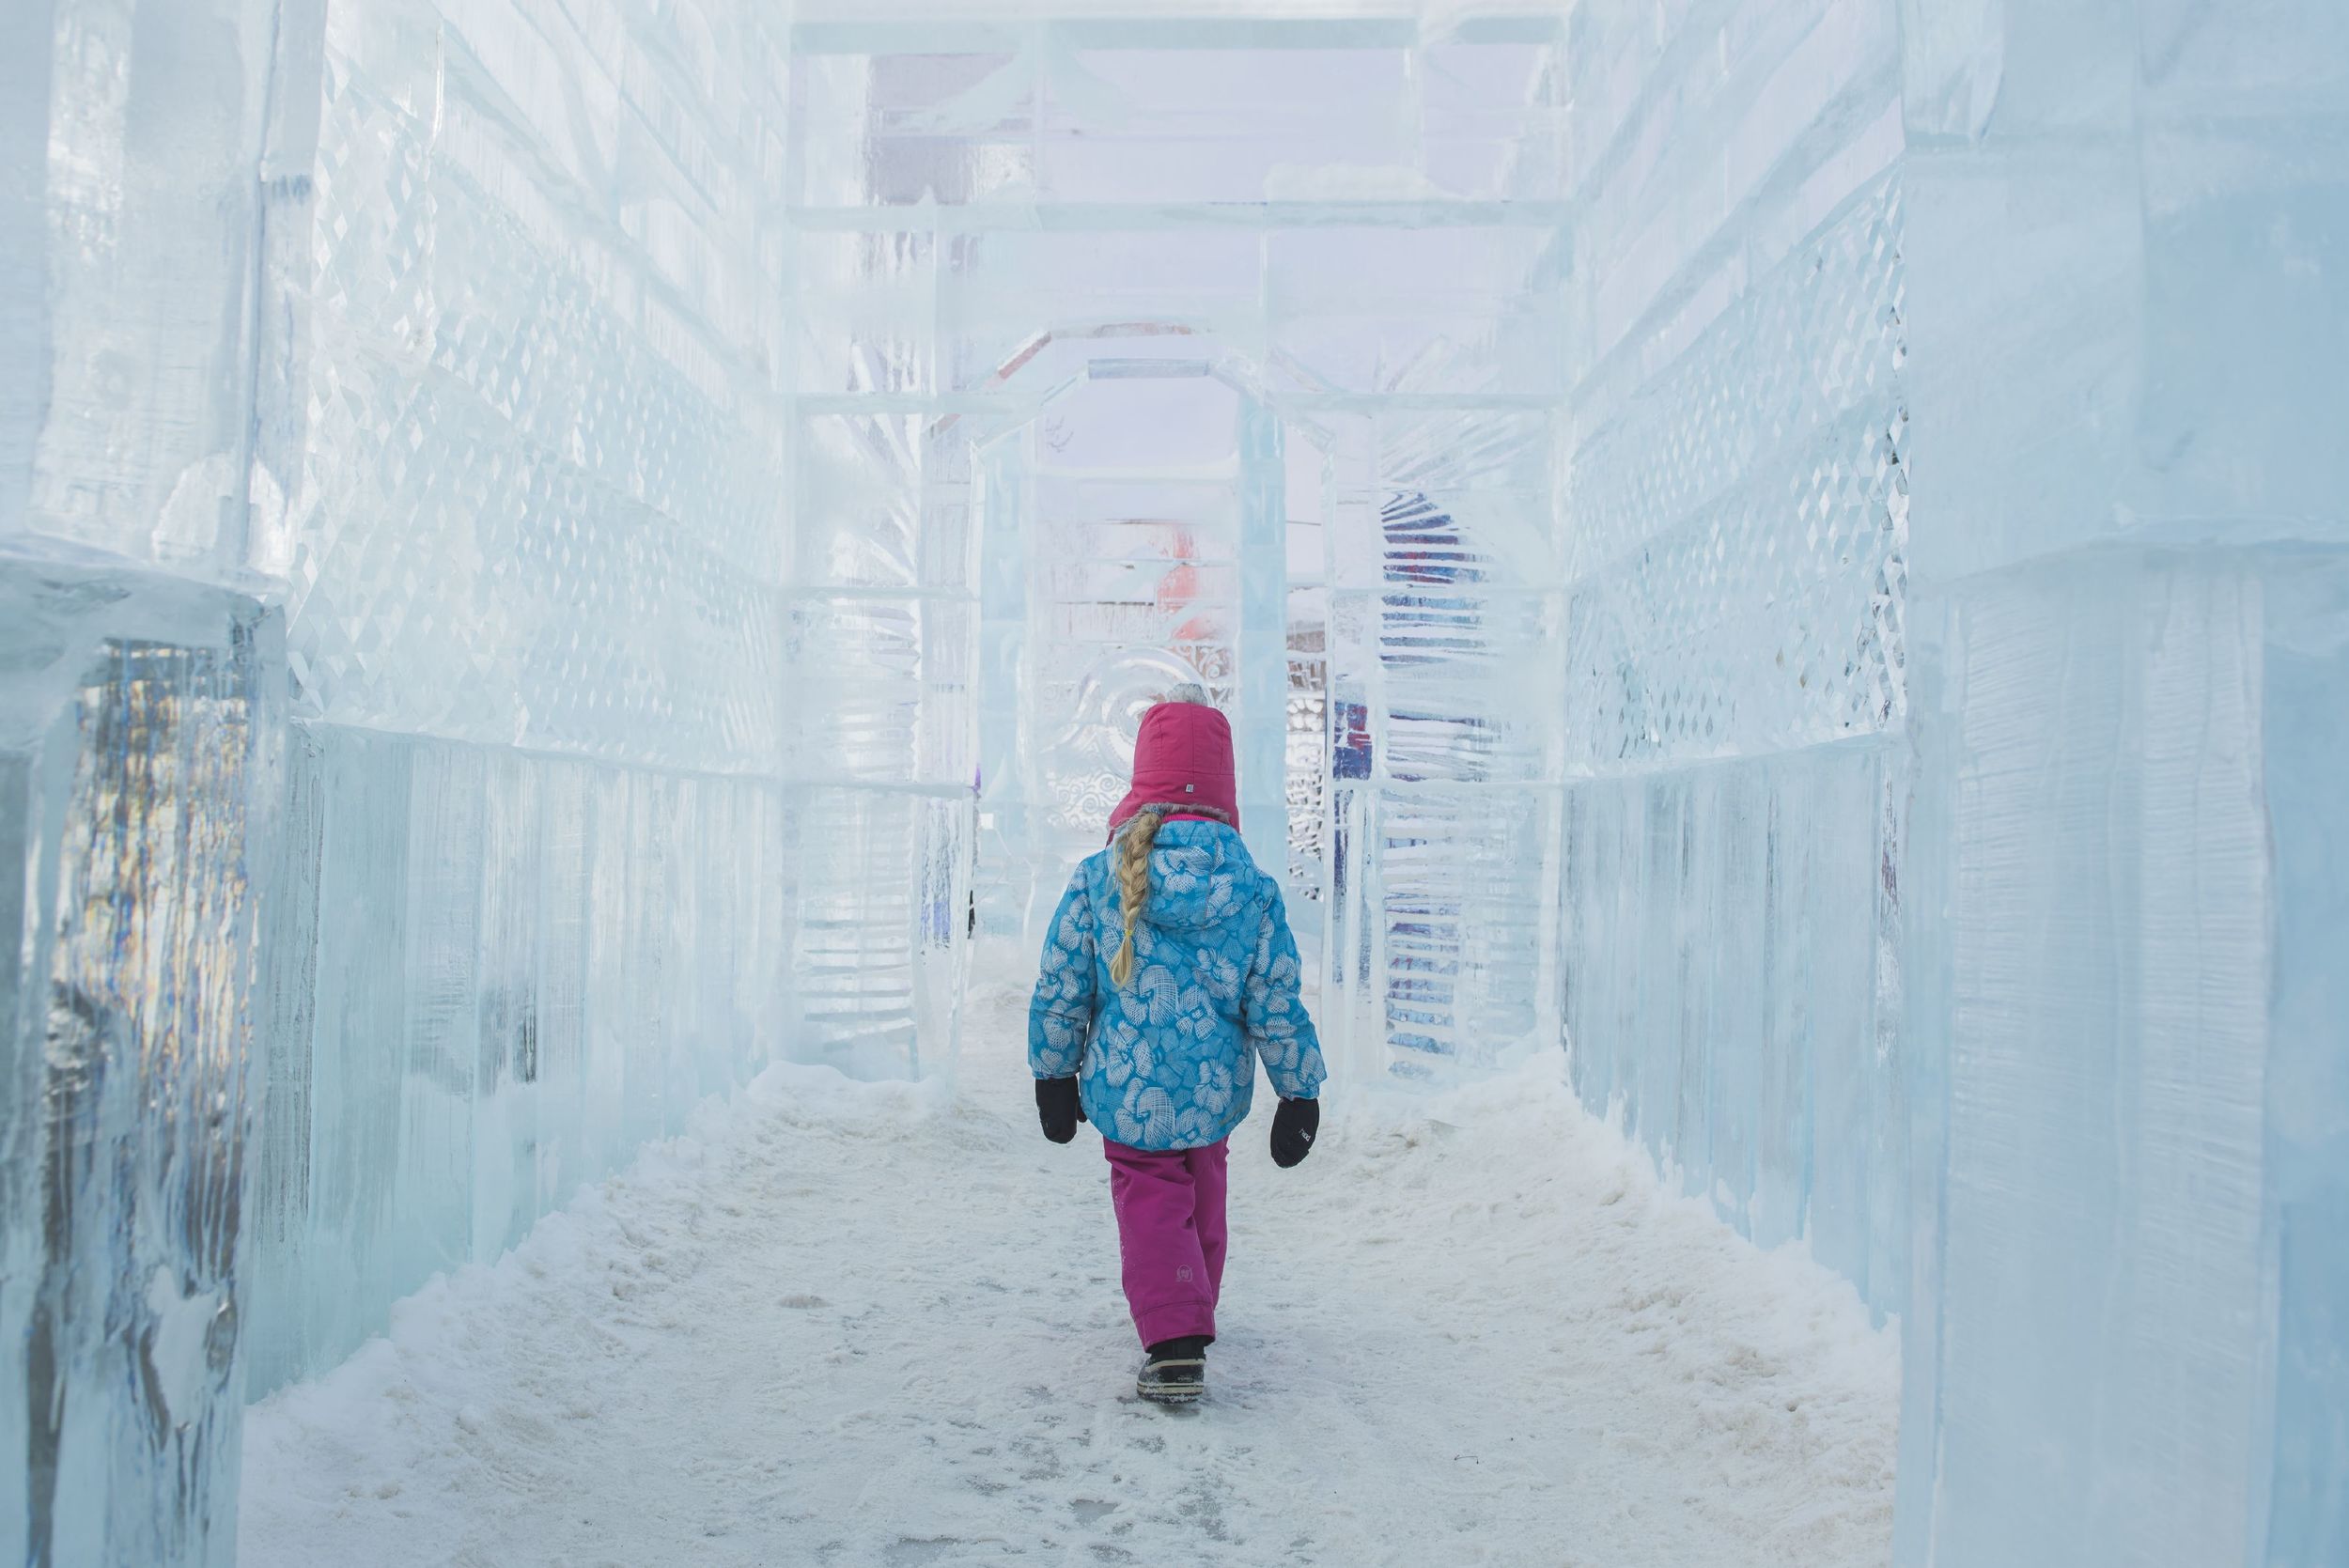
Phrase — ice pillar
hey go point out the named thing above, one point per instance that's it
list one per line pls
(140, 731)
(144, 319)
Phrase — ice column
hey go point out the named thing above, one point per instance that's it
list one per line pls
(142, 717)
(139, 726)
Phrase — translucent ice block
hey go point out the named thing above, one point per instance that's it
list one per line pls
(138, 728)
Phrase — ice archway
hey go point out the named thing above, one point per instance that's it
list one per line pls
(1804, 535)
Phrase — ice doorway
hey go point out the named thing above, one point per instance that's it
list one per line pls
(1163, 353)
(1131, 537)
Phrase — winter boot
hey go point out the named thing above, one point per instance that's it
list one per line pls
(1176, 1371)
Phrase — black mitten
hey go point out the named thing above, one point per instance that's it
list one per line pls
(1293, 1128)
(1058, 1107)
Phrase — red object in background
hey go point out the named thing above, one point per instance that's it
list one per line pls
(1179, 589)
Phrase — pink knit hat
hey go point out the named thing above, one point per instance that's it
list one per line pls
(1182, 758)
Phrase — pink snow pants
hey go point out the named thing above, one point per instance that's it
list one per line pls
(1171, 1235)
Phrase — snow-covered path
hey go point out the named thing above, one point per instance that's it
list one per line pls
(850, 1324)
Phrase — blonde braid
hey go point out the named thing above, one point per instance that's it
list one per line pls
(1133, 884)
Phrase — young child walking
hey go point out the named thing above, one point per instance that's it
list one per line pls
(1167, 966)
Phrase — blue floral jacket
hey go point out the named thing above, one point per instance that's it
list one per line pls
(1165, 1061)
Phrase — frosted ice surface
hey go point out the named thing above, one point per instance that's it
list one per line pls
(1789, 545)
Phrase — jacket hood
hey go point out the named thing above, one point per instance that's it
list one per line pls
(1182, 758)
(1202, 875)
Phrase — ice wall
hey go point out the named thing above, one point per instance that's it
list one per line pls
(1954, 619)
(536, 885)
(1738, 520)
(393, 525)
(2127, 277)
